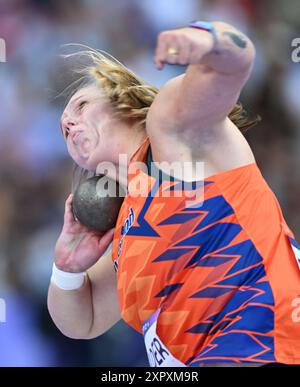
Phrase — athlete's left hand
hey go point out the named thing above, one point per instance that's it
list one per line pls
(182, 46)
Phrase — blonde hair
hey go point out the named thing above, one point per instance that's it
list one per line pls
(129, 95)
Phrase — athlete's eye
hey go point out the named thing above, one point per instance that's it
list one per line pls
(81, 105)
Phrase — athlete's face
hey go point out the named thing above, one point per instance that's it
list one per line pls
(86, 125)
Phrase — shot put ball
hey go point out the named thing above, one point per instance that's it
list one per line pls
(97, 202)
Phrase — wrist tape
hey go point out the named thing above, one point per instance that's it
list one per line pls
(66, 280)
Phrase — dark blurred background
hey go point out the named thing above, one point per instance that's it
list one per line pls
(35, 170)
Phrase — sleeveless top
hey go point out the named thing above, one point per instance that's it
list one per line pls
(223, 268)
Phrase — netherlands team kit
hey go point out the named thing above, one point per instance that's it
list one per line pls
(210, 281)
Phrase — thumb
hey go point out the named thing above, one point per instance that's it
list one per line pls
(105, 240)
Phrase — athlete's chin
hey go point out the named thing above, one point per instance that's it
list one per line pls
(82, 158)
(82, 162)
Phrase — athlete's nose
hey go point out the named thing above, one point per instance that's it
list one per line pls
(68, 124)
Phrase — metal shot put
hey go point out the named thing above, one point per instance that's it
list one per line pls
(97, 202)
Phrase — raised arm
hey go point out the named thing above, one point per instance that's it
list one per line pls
(217, 71)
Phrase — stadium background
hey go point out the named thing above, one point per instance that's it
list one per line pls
(35, 170)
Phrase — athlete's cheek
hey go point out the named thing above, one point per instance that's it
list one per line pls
(94, 136)
(88, 142)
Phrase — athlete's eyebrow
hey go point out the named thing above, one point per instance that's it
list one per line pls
(76, 99)
(71, 103)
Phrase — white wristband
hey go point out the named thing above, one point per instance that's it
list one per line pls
(66, 280)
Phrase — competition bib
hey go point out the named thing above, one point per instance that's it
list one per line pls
(157, 352)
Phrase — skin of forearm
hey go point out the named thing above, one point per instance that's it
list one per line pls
(68, 308)
(233, 52)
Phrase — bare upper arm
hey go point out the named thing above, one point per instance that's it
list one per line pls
(190, 113)
(201, 98)
(103, 281)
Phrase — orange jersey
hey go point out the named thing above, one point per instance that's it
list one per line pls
(224, 271)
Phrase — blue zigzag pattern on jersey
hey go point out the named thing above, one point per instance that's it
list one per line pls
(240, 329)
(144, 228)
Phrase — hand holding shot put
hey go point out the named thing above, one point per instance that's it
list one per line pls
(81, 249)
(90, 216)
(83, 241)
(78, 247)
